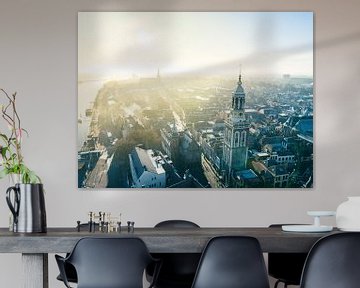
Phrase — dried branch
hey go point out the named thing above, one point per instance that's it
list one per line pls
(12, 159)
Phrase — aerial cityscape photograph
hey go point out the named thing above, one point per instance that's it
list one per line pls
(195, 100)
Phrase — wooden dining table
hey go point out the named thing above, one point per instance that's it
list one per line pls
(35, 247)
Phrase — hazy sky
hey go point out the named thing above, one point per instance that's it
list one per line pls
(123, 44)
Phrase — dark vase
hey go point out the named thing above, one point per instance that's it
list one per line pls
(27, 207)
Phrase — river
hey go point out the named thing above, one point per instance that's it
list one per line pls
(87, 92)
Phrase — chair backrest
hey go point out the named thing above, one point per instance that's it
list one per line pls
(286, 266)
(180, 267)
(110, 262)
(333, 262)
(176, 224)
(232, 262)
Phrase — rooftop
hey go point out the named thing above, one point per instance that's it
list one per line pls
(247, 174)
(146, 160)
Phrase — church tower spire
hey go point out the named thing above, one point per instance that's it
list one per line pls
(240, 82)
(238, 102)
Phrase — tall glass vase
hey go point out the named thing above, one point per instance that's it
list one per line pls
(13, 179)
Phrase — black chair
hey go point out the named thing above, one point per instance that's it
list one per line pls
(232, 262)
(108, 263)
(286, 267)
(69, 269)
(178, 269)
(333, 262)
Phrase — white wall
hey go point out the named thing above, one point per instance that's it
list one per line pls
(38, 59)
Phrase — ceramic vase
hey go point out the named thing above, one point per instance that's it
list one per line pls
(348, 214)
(27, 204)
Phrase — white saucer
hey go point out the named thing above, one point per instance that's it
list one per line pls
(321, 213)
(306, 228)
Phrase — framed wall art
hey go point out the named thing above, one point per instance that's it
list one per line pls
(195, 100)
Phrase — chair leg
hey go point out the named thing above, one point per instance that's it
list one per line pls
(279, 281)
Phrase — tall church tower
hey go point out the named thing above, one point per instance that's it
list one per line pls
(235, 151)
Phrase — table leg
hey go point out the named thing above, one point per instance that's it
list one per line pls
(35, 270)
